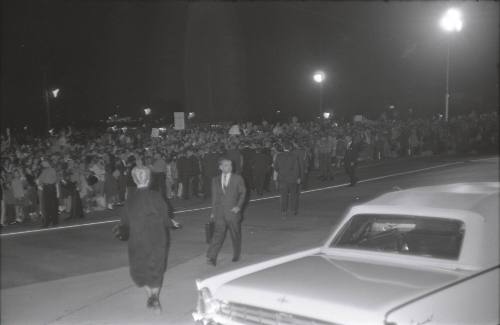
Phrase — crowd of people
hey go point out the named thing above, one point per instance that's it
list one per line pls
(73, 172)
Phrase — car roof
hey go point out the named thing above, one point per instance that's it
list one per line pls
(474, 197)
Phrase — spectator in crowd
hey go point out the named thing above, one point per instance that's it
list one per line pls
(18, 190)
(247, 156)
(47, 182)
(324, 148)
(131, 164)
(187, 169)
(351, 159)
(159, 184)
(171, 177)
(288, 168)
(303, 157)
(209, 163)
(111, 186)
(261, 167)
(234, 154)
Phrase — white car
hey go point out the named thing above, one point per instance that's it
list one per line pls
(427, 255)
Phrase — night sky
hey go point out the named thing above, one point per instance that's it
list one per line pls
(239, 60)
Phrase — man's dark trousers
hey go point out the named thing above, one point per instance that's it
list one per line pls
(350, 169)
(289, 172)
(350, 162)
(289, 190)
(231, 222)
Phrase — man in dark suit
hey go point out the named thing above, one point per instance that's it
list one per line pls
(288, 167)
(351, 159)
(228, 197)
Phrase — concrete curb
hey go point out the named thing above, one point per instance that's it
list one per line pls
(110, 297)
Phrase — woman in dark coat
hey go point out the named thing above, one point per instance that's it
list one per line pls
(146, 215)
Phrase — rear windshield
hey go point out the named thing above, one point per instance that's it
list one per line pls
(412, 235)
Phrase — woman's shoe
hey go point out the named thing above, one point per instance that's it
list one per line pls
(176, 225)
(149, 303)
(156, 306)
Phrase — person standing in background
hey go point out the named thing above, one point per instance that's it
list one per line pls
(325, 158)
(248, 155)
(288, 168)
(209, 166)
(351, 159)
(18, 189)
(303, 156)
(159, 184)
(234, 154)
(171, 177)
(50, 206)
(131, 163)
(261, 166)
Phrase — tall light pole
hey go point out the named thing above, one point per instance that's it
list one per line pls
(451, 22)
(319, 78)
(48, 94)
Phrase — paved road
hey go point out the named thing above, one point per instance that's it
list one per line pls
(79, 275)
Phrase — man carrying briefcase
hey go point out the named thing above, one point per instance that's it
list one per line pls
(228, 197)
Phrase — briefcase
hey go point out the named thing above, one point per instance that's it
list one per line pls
(209, 231)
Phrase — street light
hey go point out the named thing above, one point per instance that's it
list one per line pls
(147, 111)
(451, 22)
(55, 92)
(326, 115)
(319, 77)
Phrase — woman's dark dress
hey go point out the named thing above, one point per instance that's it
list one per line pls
(146, 214)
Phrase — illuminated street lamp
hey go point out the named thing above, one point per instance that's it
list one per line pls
(319, 77)
(326, 115)
(191, 115)
(147, 111)
(451, 22)
(55, 92)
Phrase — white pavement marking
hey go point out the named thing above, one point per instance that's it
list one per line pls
(254, 200)
(485, 159)
(57, 228)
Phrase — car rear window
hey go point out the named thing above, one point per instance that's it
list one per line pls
(402, 234)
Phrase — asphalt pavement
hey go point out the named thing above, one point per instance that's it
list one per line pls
(78, 273)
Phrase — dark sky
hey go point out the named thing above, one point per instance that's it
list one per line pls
(120, 56)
